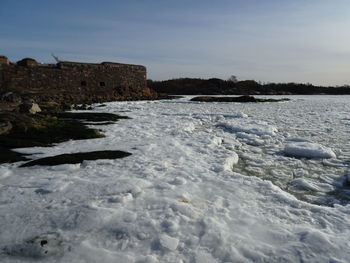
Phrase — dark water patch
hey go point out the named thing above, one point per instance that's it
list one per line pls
(8, 156)
(76, 158)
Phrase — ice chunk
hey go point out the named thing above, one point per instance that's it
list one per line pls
(190, 127)
(231, 161)
(302, 184)
(297, 140)
(252, 127)
(5, 172)
(308, 150)
(250, 139)
(66, 167)
(168, 242)
(236, 115)
(216, 140)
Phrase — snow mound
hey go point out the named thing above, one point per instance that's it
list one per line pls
(251, 127)
(5, 172)
(308, 150)
(231, 161)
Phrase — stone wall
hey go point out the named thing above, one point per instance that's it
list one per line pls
(75, 82)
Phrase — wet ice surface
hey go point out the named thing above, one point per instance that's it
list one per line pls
(207, 182)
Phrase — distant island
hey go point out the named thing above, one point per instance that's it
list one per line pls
(216, 86)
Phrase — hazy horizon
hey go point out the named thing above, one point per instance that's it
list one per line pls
(268, 41)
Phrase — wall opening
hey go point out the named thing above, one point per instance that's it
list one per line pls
(83, 83)
(102, 84)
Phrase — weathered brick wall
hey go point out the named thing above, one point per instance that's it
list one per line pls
(76, 81)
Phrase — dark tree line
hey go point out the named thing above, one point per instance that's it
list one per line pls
(215, 86)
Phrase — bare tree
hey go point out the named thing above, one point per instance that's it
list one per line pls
(233, 78)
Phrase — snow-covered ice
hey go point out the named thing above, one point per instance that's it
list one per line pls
(206, 182)
(308, 150)
(168, 242)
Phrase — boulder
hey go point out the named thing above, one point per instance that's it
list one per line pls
(29, 107)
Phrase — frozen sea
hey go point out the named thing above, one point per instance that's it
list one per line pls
(206, 182)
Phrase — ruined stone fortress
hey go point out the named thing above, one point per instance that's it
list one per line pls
(74, 81)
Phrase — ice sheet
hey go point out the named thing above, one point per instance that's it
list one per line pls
(202, 185)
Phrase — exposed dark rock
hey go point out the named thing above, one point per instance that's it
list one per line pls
(38, 130)
(91, 116)
(77, 158)
(26, 130)
(235, 99)
(8, 156)
(52, 107)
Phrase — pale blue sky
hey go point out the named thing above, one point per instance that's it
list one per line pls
(266, 40)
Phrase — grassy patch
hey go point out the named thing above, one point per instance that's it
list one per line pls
(48, 129)
(47, 132)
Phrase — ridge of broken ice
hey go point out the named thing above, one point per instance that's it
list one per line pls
(248, 126)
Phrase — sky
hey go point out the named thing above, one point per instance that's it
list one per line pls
(305, 41)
